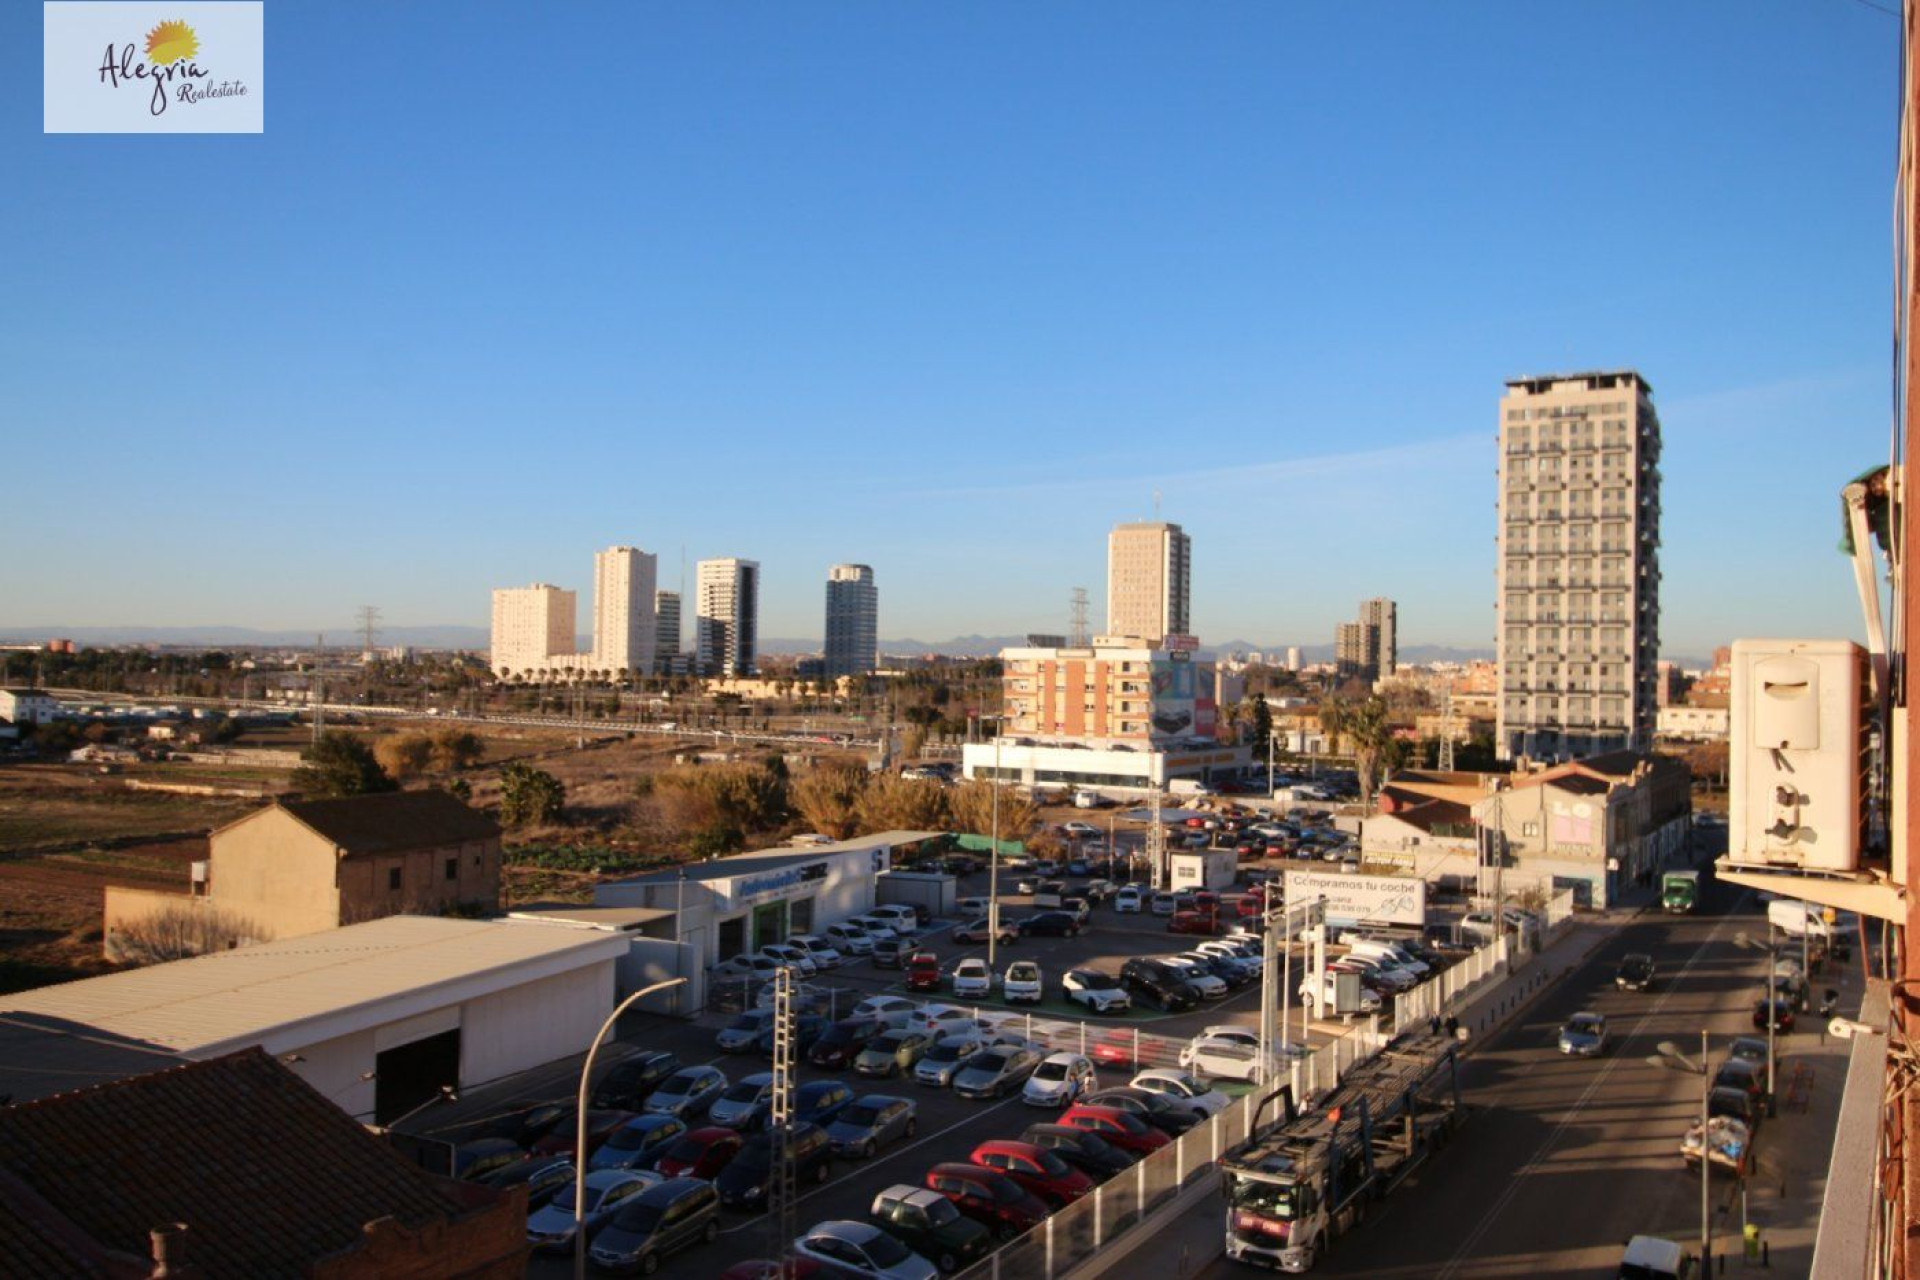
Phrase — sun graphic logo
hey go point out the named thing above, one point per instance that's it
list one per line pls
(170, 42)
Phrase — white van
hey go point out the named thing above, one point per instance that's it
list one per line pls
(901, 919)
(1796, 918)
(1390, 955)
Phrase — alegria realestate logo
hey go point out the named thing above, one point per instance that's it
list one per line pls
(196, 69)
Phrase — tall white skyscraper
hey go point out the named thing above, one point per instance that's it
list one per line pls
(853, 621)
(624, 632)
(1149, 581)
(1578, 574)
(727, 616)
(530, 626)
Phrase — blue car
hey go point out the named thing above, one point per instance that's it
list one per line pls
(745, 1107)
(635, 1144)
(819, 1102)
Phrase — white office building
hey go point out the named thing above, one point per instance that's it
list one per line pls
(624, 629)
(727, 616)
(1149, 581)
(531, 626)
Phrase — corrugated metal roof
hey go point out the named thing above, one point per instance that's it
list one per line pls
(187, 1005)
(746, 864)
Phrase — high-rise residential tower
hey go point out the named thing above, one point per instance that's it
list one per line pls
(624, 630)
(1379, 616)
(1149, 581)
(666, 642)
(727, 616)
(530, 625)
(1578, 574)
(853, 621)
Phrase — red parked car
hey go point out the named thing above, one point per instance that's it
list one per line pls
(600, 1127)
(989, 1197)
(1121, 1129)
(923, 971)
(701, 1153)
(1115, 1049)
(1204, 923)
(1035, 1168)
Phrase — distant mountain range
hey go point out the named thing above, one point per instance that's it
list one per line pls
(477, 638)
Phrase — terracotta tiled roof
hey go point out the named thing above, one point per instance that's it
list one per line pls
(393, 822)
(267, 1175)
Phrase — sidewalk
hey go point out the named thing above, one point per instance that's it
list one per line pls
(1186, 1235)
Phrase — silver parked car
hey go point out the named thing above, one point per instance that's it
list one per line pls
(941, 1062)
(870, 1122)
(862, 1249)
(994, 1072)
(688, 1093)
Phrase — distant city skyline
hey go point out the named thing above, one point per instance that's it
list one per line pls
(944, 291)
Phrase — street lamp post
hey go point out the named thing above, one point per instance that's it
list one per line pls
(993, 864)
(580, 1125)
(1742, 940)
(1670, 1056)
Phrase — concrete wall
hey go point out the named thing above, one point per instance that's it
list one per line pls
(534, 1023)
(136, 921)
(650, 960)
(271, 869)
(334, 1067)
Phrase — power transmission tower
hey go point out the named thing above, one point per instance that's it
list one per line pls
(369, 616)
(1446, 731)
(780, 1192)
(1157, 845)
(1079, 632)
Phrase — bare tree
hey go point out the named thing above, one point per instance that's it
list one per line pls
(176, 932)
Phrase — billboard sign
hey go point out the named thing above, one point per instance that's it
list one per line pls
(1354, 896)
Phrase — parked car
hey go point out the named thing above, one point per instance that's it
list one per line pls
(870, 1122)
(1059, 1080)
(1022, 983)
(891, 953)
(878, 928)
(862, 1249)
(795, 958)
(943, 1058)
(600, 1126)
(1584, 1035)
(989, 1197)
(1182, 1090)
(1083, 1149)
(1751, 1077)
(995, 1071)
(897, 916)
(637, 1143)
(743, 1183)
(629, 1081)
(1100, 992)
(849, 939)
(1126, 900)
(971, 908)
(550, 1229)
(1050, 924)
(1774, 1009)
(699, 1153)
(978, 930)
(806, 997)
(1151, 1107)
(843, 1042)
(819, 1101)
(1748, 1049)
(972, 980)
(688, 1092)
(743, 1032)
(807, 1028)
(1203, 979)
(923, 971)
(1046, 1175)
(1159, 985)
(929, 1224)
(1116, 1126)
(542, 1176)
(474, 1160)
(745, 1106)
(659, 1221)
(825, 954)
(892, 1052)
(890, 1011)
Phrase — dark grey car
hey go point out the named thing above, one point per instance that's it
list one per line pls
(871, 1122)
(658, 1221)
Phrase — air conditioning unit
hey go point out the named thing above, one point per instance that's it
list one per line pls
(1800, 753)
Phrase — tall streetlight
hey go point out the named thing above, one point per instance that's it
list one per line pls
(580, 1126)
(1670, 1056)
(1743, 941)
(993, 863)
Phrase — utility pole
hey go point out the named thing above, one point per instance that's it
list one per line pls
(1157, 843)
(369, 616)
(1446, 731)
(1078, 636)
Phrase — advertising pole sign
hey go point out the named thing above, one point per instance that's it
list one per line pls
(1355, 896)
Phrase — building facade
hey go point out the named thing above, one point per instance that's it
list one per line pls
(1578, 573)
(1149, 581)
(1381, 618)
(530, 626)
(666, 630)
(727, 616)
(1115, 691)
(853, 621)
(624, 628)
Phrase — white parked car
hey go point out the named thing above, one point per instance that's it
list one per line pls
(878, 928)
(940, 1020)
(788, 954)
(972, 908)
(1164, 904)
(1221, 1058)
(1059, 1081)
(759, 967)
(972, 979)
(824, 956)
(901, 919)
(1127, 901)
(1079, 830)
(850, 938)
(892, 1011)
(1182, 1090)
(1023, 983)
(805, 996)
(1100, 992)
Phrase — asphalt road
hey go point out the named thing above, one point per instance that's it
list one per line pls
(1562, 1159)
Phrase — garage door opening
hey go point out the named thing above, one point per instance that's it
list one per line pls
(410, 1074)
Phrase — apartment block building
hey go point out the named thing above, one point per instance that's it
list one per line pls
(727, 616)
(624, 628)
(530, 625)
(1149, 581)
(1578, 573)
(853, 621)
(1367, 649)
(666, 630)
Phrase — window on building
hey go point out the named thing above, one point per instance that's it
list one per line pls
(1530, 829)
(393, 879)
(453, 868)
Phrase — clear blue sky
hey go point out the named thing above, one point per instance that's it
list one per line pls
(948, 289)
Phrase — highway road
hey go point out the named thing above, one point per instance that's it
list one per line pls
(1563, 1159)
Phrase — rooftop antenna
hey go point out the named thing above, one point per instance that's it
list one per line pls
(1156, 504)
(1079, 631)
